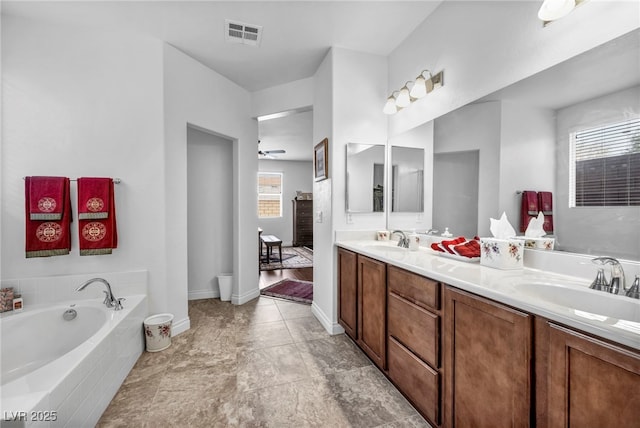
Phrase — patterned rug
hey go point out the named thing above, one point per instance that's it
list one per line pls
(292, 258)
(291, 289)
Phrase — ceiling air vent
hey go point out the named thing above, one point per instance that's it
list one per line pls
(239, 32)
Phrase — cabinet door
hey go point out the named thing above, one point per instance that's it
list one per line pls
(372, 309)
(487, 363)
(348, 292)
(591, 383)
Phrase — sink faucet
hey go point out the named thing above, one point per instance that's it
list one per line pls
(617, 284)
(403, 241)
(109, 301)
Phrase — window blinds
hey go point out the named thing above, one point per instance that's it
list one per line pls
(606, 165)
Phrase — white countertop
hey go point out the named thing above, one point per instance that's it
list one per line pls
(513, 287)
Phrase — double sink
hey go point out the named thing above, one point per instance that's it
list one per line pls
(584, 302)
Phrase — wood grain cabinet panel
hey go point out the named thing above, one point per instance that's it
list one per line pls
(419, 382)
(372, 309)
(417, 289)
(487, 362)
(415, 328)
(348, 292)
(591, 383)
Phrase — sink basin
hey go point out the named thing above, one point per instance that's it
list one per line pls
(587, 300)
(383, 247)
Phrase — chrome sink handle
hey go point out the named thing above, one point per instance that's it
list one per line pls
(634, 290)
(617, 284)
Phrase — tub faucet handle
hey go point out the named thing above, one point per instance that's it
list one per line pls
(117, 304)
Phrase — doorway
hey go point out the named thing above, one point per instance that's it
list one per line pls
(209, 212)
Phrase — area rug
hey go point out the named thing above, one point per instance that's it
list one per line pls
(291, 289)
(292, 258)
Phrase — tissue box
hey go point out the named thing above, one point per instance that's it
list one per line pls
(538, 243)
(501, 253)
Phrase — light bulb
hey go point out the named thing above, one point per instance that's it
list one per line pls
(555, 9)
(419, 89)
(390, 106)
(403, 99)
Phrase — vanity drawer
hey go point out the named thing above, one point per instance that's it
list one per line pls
(415, 288)
(419, 382)
(415, 328)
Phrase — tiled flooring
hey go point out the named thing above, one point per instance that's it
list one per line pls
(267, 363)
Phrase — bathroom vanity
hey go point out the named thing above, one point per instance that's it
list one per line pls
(469, 346)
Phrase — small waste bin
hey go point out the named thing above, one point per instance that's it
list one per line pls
(157, 331)
(225, 281)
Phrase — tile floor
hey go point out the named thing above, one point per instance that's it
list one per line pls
(267, 363)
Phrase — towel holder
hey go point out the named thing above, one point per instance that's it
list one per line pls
(116, 180)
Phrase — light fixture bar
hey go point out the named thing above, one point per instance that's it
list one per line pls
(424, 84)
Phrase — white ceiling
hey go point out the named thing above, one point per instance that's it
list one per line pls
(296, 36)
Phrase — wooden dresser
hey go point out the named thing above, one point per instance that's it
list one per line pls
(302, 222)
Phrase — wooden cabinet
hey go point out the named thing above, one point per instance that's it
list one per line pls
(467, 361)
(302, 222)
(372, 309)
(414, 331)
(487, 357)
(348, 292)
(589, 382)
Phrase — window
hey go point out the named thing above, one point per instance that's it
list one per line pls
(269, 194)
(605, 166)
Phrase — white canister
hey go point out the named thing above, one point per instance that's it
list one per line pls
(414, 241)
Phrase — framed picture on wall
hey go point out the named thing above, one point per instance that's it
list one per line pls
(320, 160)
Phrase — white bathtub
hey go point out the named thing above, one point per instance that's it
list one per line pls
(65, 373)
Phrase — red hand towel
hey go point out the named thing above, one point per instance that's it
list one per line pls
(99, 236)
(469, 249)
(545, 204)
(93, 197)
(44, 238)
(46, 197)
(528, 209)
(436, 247)
(447, 245)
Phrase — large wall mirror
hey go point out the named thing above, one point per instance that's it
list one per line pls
(365, 178)
(522, 135)
(407, 180)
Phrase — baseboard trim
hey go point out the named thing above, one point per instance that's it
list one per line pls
(332, 328)
(203, 294)
(240, 300)
(180, 326)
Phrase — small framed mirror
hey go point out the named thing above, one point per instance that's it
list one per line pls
(407, 180)
(365, 169)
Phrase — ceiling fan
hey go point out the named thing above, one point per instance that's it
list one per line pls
(267, 154)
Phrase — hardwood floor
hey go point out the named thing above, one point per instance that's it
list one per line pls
(269, 277)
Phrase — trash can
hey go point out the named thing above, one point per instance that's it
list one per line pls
(225, 282)
(157, 332)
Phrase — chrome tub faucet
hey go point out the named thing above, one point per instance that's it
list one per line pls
(109, 301)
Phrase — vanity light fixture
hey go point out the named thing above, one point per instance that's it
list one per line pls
(390, 106)
(552, 10)
(423, 85)
(404, 99)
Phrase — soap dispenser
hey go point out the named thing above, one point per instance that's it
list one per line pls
(414, 241)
